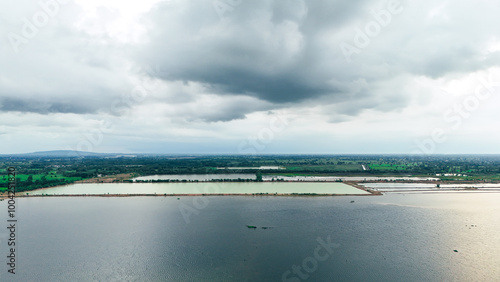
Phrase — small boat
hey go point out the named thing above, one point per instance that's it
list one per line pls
(251, 226)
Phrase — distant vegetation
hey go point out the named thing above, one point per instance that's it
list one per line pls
(35, 171)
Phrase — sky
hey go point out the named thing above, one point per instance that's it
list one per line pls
(250, 76)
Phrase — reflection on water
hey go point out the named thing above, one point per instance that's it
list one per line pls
(388, 238)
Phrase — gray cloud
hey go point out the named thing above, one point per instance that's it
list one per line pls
(61, 69)
(256, 51)
(282, 53)
(279, 52)
(20, 105)
(213, 72)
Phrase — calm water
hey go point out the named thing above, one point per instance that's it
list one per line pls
(394, 187)
(201, 188)
(347, 178)
(200, 177)
(395, 237)
(270, 177)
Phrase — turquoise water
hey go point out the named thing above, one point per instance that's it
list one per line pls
(201, 188)
(200, 177)
(395, 187)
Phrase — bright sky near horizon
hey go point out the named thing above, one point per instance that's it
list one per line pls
(241, 76)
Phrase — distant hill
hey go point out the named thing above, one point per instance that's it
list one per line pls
(62, 154)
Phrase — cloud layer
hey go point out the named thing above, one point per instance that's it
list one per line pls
(219, 72)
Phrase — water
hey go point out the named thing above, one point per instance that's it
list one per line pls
(199, 177)
(252, 167)
(203, 177)
(348, 178)
(395, 237)
(395, 187)
(200, 188)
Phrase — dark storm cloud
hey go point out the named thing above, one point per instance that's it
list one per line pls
(34, 106)
(265, 49)
(225, 113)
(278, 89)
(181, 69)
(278, 51)
(284, 53)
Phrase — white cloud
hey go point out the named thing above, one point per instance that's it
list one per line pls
(174, 72)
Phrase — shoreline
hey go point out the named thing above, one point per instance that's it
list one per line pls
(352, 184)
(95, 180)
(107, 179)
(192, 195)
(355, 184)
(363, 188)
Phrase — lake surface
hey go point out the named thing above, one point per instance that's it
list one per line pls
(395, 187)
(199, 177)
(202, 177)
(395, 237)
(252, 167)
(201, 188)
(347, 178)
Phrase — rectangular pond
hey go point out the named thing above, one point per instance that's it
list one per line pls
(397, 187)
(199, 177)
(201, 188)
(208, 177)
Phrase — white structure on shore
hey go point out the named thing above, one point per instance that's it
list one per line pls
(256, 167)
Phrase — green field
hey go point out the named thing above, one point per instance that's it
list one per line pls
(38, 177)
(24, 177)
(387, 167)
(488, 178)
(54, 171)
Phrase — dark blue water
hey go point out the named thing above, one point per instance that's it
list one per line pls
(386, 238)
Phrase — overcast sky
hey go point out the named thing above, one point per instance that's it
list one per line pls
(250, 76)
